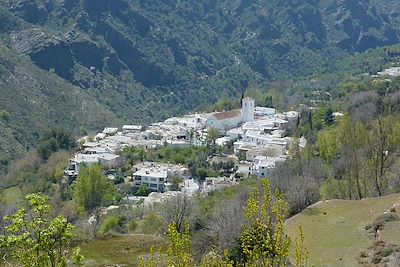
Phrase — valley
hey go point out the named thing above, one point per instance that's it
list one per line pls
(199, 133)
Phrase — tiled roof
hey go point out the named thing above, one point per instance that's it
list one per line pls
(227, 114)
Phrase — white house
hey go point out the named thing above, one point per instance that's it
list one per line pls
(110, 131)
(153, 178)
(223, 121)
(132, 128)
(262, 165)
(264, 111)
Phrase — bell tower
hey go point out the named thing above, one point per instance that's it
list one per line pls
(247, 109)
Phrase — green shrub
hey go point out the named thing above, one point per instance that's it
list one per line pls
(5, 115)
(389, 217)
(132, 226)
(113, 222)
(385, 250)
(143, 191)
(151, 224)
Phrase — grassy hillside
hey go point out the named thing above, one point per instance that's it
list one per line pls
(335, 230)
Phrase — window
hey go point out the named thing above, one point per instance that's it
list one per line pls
(138, 178)
(161, 179)
(262, 174)
(154, 179)
(153, 185)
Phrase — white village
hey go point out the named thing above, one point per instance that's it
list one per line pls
(258, 135)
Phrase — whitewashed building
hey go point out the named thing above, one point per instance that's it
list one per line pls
(153, 178)
(156, 175)
(223, 121)
(132, 128)
(110, 131)
(89, 159)
(262, 165)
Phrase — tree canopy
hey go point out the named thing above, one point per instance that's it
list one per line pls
(33, 238)
(92, 188)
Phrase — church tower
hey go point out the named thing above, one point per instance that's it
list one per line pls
(247, 109)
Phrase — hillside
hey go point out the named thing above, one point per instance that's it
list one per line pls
(335, 230)
(36, 101)
(141, 61)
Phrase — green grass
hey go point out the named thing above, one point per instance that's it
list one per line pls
(334, 230)
(121, 250)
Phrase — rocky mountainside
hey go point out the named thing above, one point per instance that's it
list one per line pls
(147, 59)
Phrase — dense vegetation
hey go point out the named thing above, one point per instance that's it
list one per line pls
(34, 237)
(352, 156)
(261, 242)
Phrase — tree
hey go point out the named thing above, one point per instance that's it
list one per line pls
(177, 210)
(191, 133)
(328, 144)
(61, 135)
(175, 182)
(328, 118)
(227, 221)
(301, 253)
(201, 173)
(179, 250)
(54, 140)
(143, 190)
(134, 154)
(212, 135)
(299, 177)
(33, 238)
(5, 115)
(353, 136)
(263, 242)
(47, 147)
(384, 143)
(92, 188)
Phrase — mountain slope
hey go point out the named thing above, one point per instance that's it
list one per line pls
(132, 52)
(142, 60)
(36, 101)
